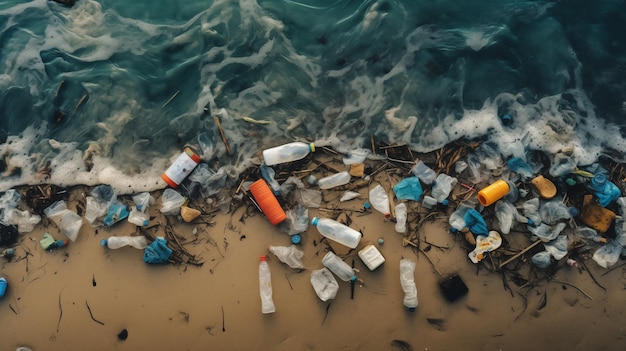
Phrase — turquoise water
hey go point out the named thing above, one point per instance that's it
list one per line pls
(111, 91)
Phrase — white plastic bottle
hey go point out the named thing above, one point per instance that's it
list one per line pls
(287, 153)
(116, 242)
(336, 231)
(407, 281)
(380, 200)
(337, 179)
(424, 173)
(400, 217)
(338, 266)
(265, 287)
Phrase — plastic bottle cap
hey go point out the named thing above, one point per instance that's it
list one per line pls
(507, 118)
(367, 205)
(530, 221)
(263, 258)
(312, 147)
(411, 309)
(570, 181)
(353, 278)
(295, 239)
(573, 211)
(387, 215)
(381, 241)
(103, 242)
(314, 221)
(444, 202)
(598, 179)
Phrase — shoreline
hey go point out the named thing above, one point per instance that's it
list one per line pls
(86, 294)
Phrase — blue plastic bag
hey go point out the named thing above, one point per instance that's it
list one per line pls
(115, 213)
(408, 189)
(157, 252)
(475, 222)
(604, 190)
(520, 167)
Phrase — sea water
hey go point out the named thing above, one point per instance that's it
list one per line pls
(111, 91)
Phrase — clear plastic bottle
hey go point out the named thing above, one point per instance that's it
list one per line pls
(338, 232)
(424, 173)
(265, 287)
(337, 179)
(338, 266)
(380, 200)
(407, 281)
(116, 242)
(400, 217)
(442, 187)
(287, 153)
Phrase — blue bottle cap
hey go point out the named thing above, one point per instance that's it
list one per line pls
(530, 222)
(444, 202)
(381, 241)
(573, 211)
(411, 309)
(598, 179)
(314, 221)
(103, 242)
(367, 205)
(295, 239)
(506, 118)
(353, 278)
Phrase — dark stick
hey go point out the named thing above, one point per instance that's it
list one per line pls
(223, 320)
(326, 314)
(591, 275)
(352, 284)
(60, 311)
(91, 314)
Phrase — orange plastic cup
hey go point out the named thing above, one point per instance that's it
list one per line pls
(493, 192)
(267, 201)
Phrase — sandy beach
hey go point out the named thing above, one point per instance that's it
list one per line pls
(83, 295)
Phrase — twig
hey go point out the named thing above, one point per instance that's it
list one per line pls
(519, 254)
(326, 314)
(91, 314)
(431, 261)
(573, 286)
(219, 126)
(591, 275)
(613, 268)
(60, 311)
(170, 99)
(223, 320)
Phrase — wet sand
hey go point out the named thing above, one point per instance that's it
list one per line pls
(81, 296)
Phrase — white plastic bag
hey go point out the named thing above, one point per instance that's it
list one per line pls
(67, 221)
(171, 201)
(324, 284)
(290, 255)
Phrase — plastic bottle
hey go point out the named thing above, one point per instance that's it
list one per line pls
(429, 202)
(336, 231)
(520, 167)
(181, 168)
(339, 267)
(287, 153)
(337, 179)
(267, 202)
(493, 192)
(442, 187)
(380, 200)
(265, 287)
(424, 173)
(116, 242)
(400, 217)
(324, 284)
(407, 281)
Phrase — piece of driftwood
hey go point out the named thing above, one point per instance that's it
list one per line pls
(519, 253)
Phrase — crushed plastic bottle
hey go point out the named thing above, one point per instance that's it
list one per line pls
(442, 187)
(424, 173)
(380, 200)
(457, 218)
(407, 281)
(265, 287)
(520, 167)
(506, 213)
(116, 242)
(401, 215)
(290, 255)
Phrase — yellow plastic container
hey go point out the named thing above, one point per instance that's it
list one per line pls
(493, 192)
